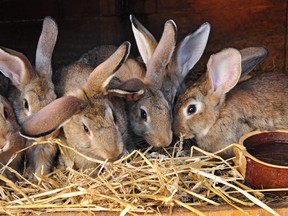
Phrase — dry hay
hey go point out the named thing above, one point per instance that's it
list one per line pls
(141, 182)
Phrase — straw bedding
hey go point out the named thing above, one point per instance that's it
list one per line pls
(141, 182)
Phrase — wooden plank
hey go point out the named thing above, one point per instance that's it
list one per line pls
(258, 22)
(250, 23)
(89, 8)
(280, 208)
(14, 10)
(22, 37)
(73, 9)
(286, 41)
(140, 6)
(110, 7)
(75, 37)
(80, 35)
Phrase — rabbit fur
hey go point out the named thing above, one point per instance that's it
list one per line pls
(150, 113)
(217, 111)
(32, 89)
(10, 140)
(94, 123)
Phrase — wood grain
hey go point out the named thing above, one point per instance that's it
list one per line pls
(91, 23)
(280, 208)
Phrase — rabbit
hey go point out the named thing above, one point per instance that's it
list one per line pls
(150, 108)
(217, 111)
(93, 122)
(10, 140)
(75, 74)
(32, 89)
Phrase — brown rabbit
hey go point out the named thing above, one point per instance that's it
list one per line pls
(217, 113)
(93, 123)
(150, 110)
(10, 139)
(33, 88)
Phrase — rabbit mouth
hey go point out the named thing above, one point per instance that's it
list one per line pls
(116, 158)
(110, 159)
(187, 136)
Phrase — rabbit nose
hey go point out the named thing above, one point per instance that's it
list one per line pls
(119, 156)
(115, 153)
(163, 141)
(168, 139)
(114, 156)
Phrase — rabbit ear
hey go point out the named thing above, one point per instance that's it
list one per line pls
(15, 66)
(132, 89)
(102, 74)
(162, 55)
(251, 57)
(45, 47)
(146, 43)
(189, 51)
(51, 117)
(224, 70)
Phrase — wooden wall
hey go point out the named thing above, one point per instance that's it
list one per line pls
(88, 23)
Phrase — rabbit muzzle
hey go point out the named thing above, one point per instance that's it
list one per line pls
(181, 131)
(112, 155)
(160, 140)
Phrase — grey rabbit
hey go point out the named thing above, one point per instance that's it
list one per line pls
(149, 109)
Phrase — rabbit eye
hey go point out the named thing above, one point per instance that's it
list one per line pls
(26, 105)
(143, 114)
(191, 109)
(85, 128)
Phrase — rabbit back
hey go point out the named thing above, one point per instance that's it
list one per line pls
(263, 101)
(71, 77)
(97, 55)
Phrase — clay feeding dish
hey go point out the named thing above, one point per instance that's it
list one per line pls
(262, 157)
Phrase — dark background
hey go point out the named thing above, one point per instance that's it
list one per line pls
(84, 24)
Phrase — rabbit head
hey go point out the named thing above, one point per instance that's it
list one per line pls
(90, 121)
(33, 87)
(197, 108)
(216, 112)
(150, 114)
(249, 58)
(10, 139)
(149, 111)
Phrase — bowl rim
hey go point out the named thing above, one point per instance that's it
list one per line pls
(247, 154)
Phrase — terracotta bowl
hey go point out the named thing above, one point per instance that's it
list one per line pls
(262, 157)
